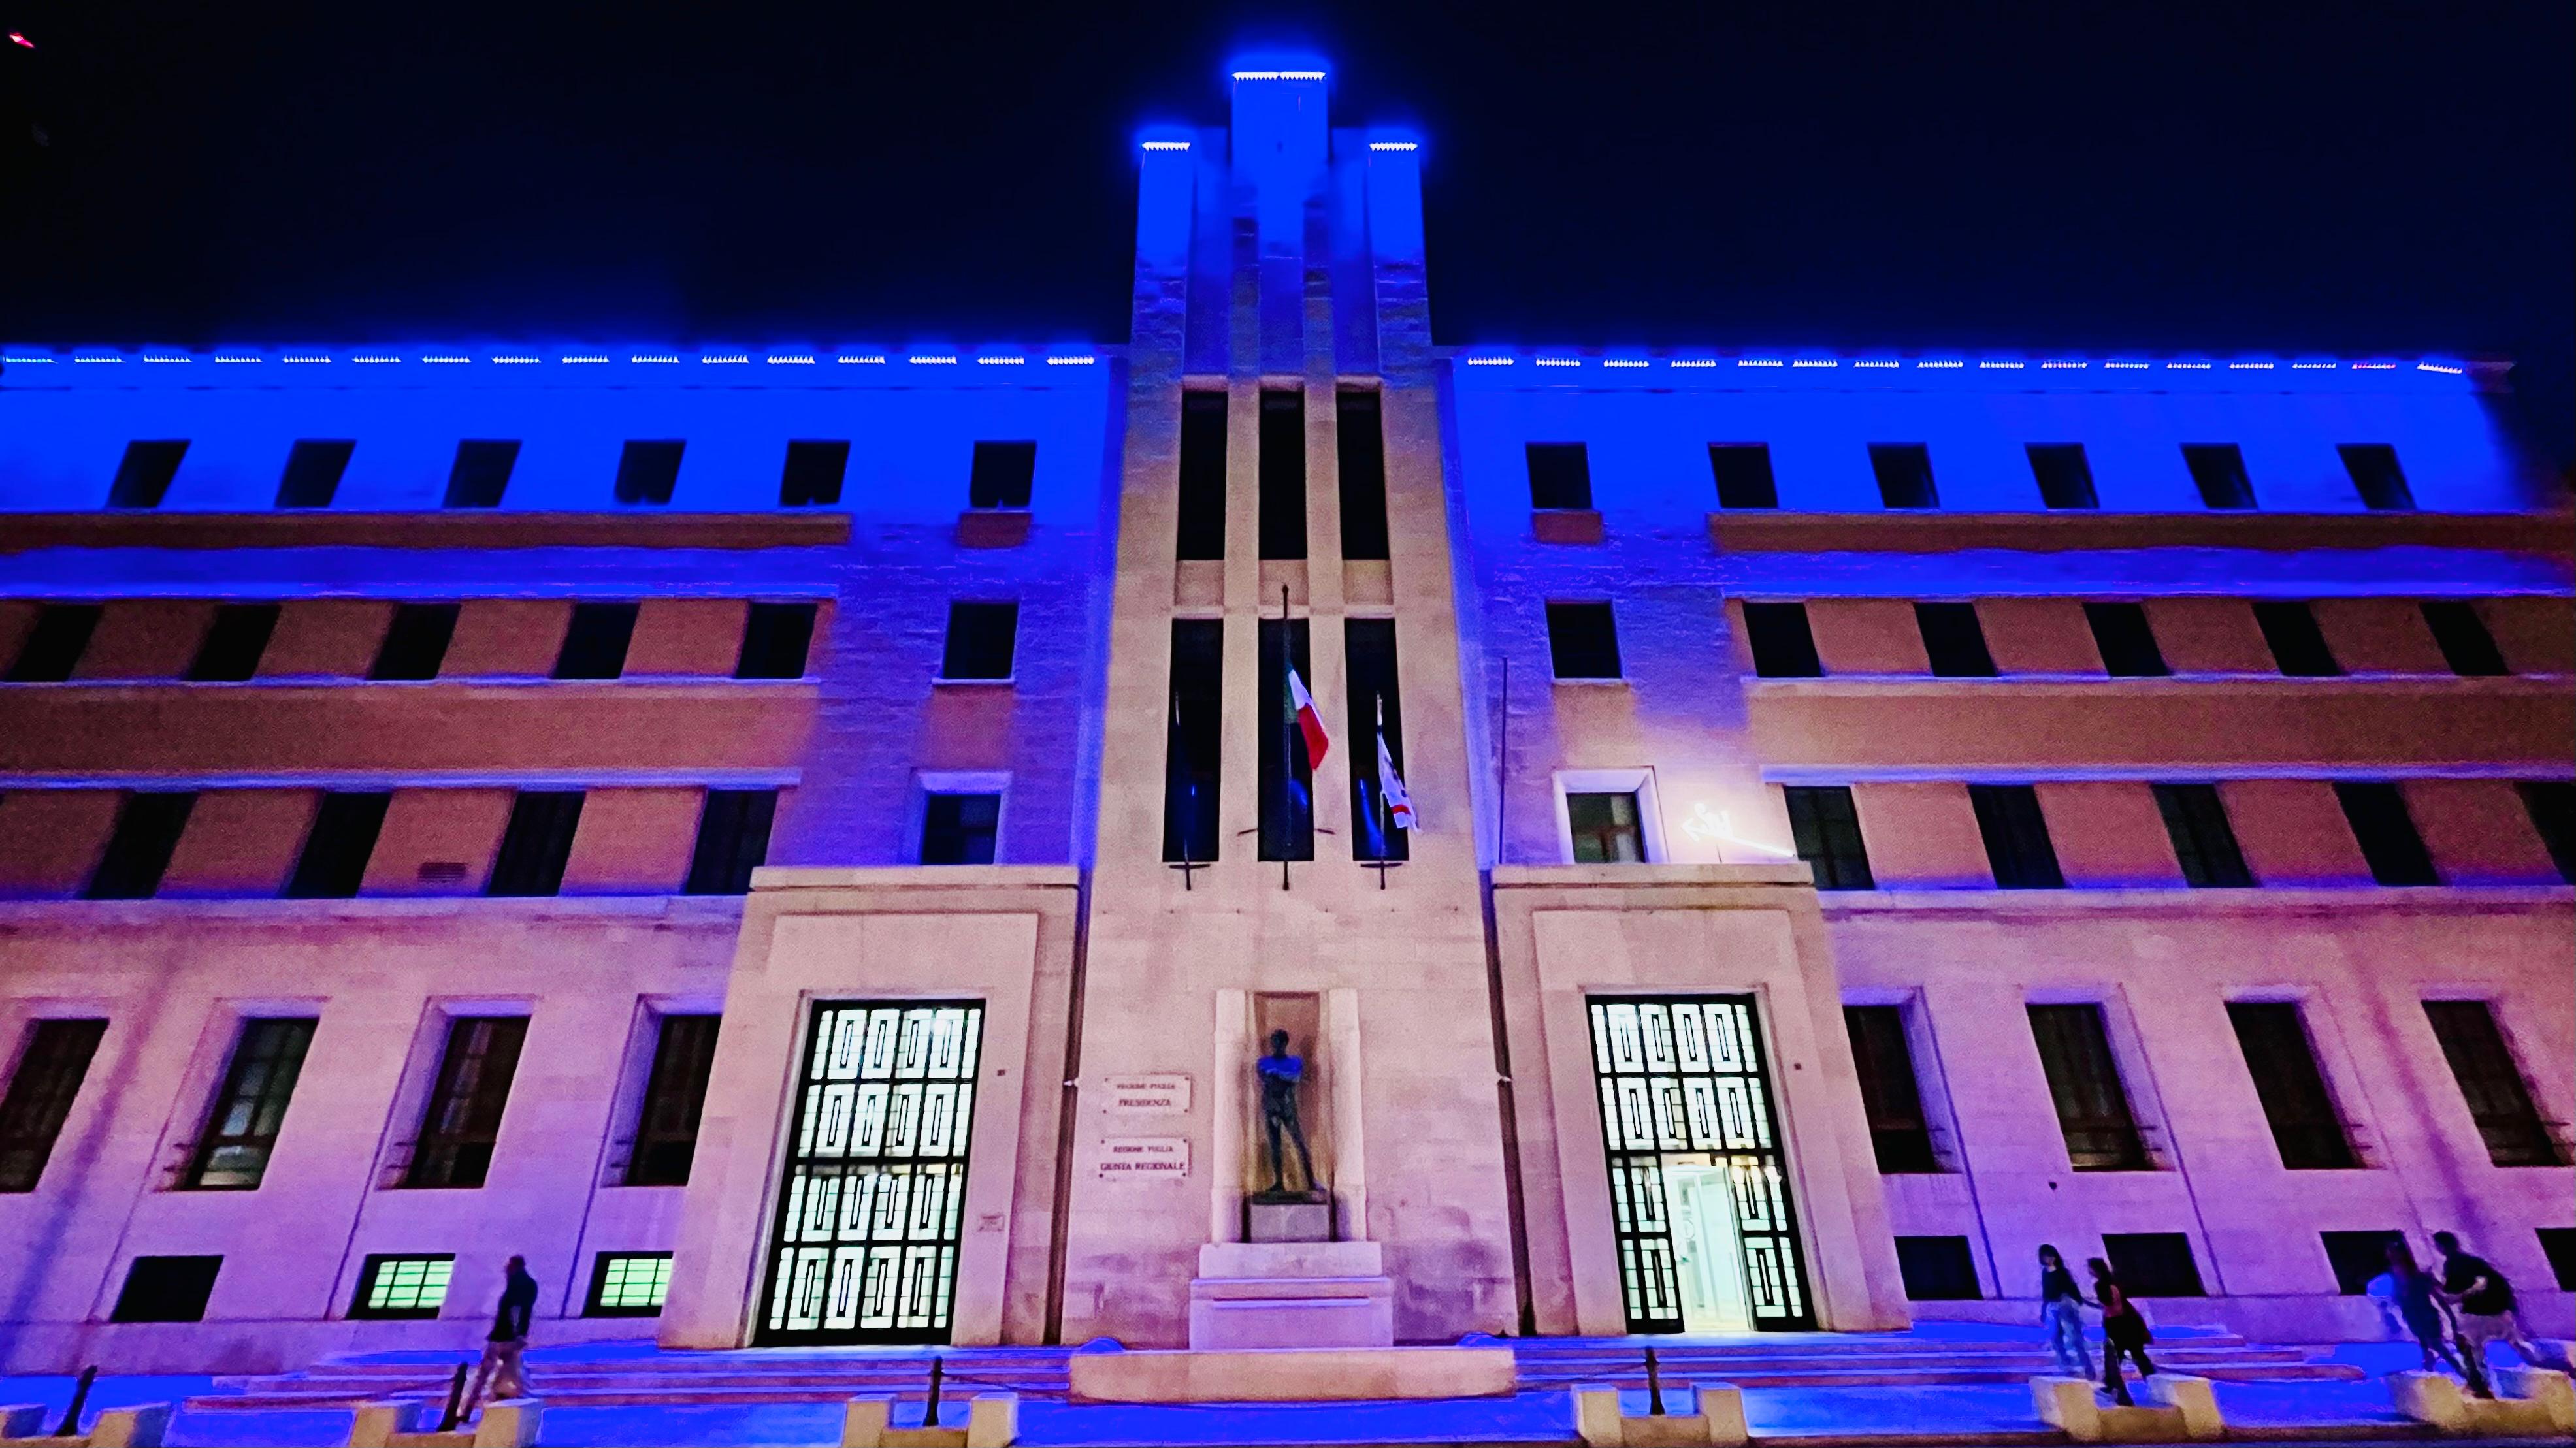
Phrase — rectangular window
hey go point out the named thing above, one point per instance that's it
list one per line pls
(333, 863)
(813, 472)
(1360, 444)
(776, 637)
(2357, 1257)
(2298, 645)
(1560, 475)
(1743, 471)
(1283, 475)
(1582, 641)
(51, 1066)
(982, 637)
(2016, 836)
(2218, 470)
(537, 843)
(1287, 822)
(595, 643)
(648, 471)
(628, 1284)
(313, 469)
(733, 841)
(2291, 1086)
(2386, 833)
(2084, 1084)
(143, 475)
(1192, 743)
(2466, 644)
(463, 1117)
(1898, 1130)
(1826, 829)
(2153, 1264)
(2491, 1082)
(1954, 640)
(2127, 643)
(1376, 712)
(2065, 478)
(2204, 842)
(2376, 476)
(481, 473)
(2558, 1244)
(1937, 1269)
(1904, 472)
(138, 852)
(233, 644)
(415, 642)
(959, 829)
(675, 1098)
(2551, 803)
(166, 1289)
(402, 1286)
(55, 643)
(1201, 521)
(1002, 475)
(250, 1109)
(1784, 647)
(1606, 828)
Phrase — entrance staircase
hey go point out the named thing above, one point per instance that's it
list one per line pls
(1886, 1360)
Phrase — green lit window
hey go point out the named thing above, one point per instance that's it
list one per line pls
(403, 1286)
(629, 1284)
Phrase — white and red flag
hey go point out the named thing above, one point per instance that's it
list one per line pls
(1310, 723)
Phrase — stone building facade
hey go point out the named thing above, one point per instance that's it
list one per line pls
(805, 842)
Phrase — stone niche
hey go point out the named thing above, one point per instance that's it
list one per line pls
(1323, 1029)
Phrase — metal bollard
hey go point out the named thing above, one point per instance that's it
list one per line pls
(1654, 1386)
(930, 1413)
(80, 1400)
(455, 1401)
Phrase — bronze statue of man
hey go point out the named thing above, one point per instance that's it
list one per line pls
(1280, 1075)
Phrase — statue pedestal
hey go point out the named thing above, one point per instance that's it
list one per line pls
(1291, 1294)
(1288, 1217)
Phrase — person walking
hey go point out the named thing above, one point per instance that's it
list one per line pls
(502, 1369)
(2124, 1330)
(2483, 1300)
(2061, 1315)
(2419, 1302)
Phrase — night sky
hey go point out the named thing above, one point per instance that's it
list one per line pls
(2259, 176)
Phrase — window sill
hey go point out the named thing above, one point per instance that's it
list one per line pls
(1574, 526)
(1006, 682)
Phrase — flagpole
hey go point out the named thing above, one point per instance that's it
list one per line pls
(1287, 766)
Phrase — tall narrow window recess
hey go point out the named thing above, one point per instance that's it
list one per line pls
(2287, 1080)
(2492, 1083)
(960, 829)
(1904, 472)
(537, 844)
(1825, 827)
(1582, 641)
(415, 642)
(2467, 647)
(1560, 475)
(1954, 641)
(462, 1120)
(2127, 642)
(1889, 1089)
(1287, 780)
(333, 863)
(648, 471)
(982, 639)
(813, 472)
(675, 1099)
(2204, 842)
(2386, 832)
(1003, 475)
(2376, 476)
(481, 472)
(2065, 477)
(733, 841)
(234, 641)
(313, 470)
(1783, 645)
(2016, 835)
(2297, 644)
(143, 475)
(138, 851)
(1283, 475)
(1200, 533)
(2551, 803)
(1743, 472)
(1359, 435)
(51, 1066)
(2218, 470)
(1381, 810)
(2084, 1083)
(249, 1109)
(776, 640)
(1193, 742)
(54, 644)
(596, 640)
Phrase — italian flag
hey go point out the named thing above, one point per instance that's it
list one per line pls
(1310, 724)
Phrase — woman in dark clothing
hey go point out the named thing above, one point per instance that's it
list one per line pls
(2124, 1330)
(2420, 1304)
(2059, 1304)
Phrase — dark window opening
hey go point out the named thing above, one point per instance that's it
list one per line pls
(313, 470)
(2291, 1086)
(1283, 475)
(628, 1284)
(415, 642)
(1376, 712)
(1904, 472)
(333, 864)
(1560, 475)
(813, 472)
(1889, 1091)
(1582, 641)
(733, 841)
(2065, 477)
(1743, 471)
(2551, 803)
(166, 1289)
(2376, 476)
(481, 473)
(2297, 644)
(1826, 829)
(675, 1099)
(2204, 842)
(2491, 1082)
(2386, 833)
(2084, 1085)
(138, 852)
(1003, 475)
(595, 642)
(233, 644)
(463, 1118)
(2462, 636)
(1287, 778)
(648, 471)
(1201, 521)
(2558, 1244)
(51, 1067)
(1937, 1269)
(1360, 444)
(2016, 835)
(537, 844)
(2357, 1257)
(249, 1110)
(2153, 1264)
(143, 475)
(959, 829)
(776, 638)
(1192, 743)
(1784, 647)
(2218, 470)
(1954, 640)
(982, 638)
(2127, 643)
(55, 643)
(400, 1287)
(1606, 828)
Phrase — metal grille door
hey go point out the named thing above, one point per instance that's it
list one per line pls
(1682, 1079)
(875, 1186)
